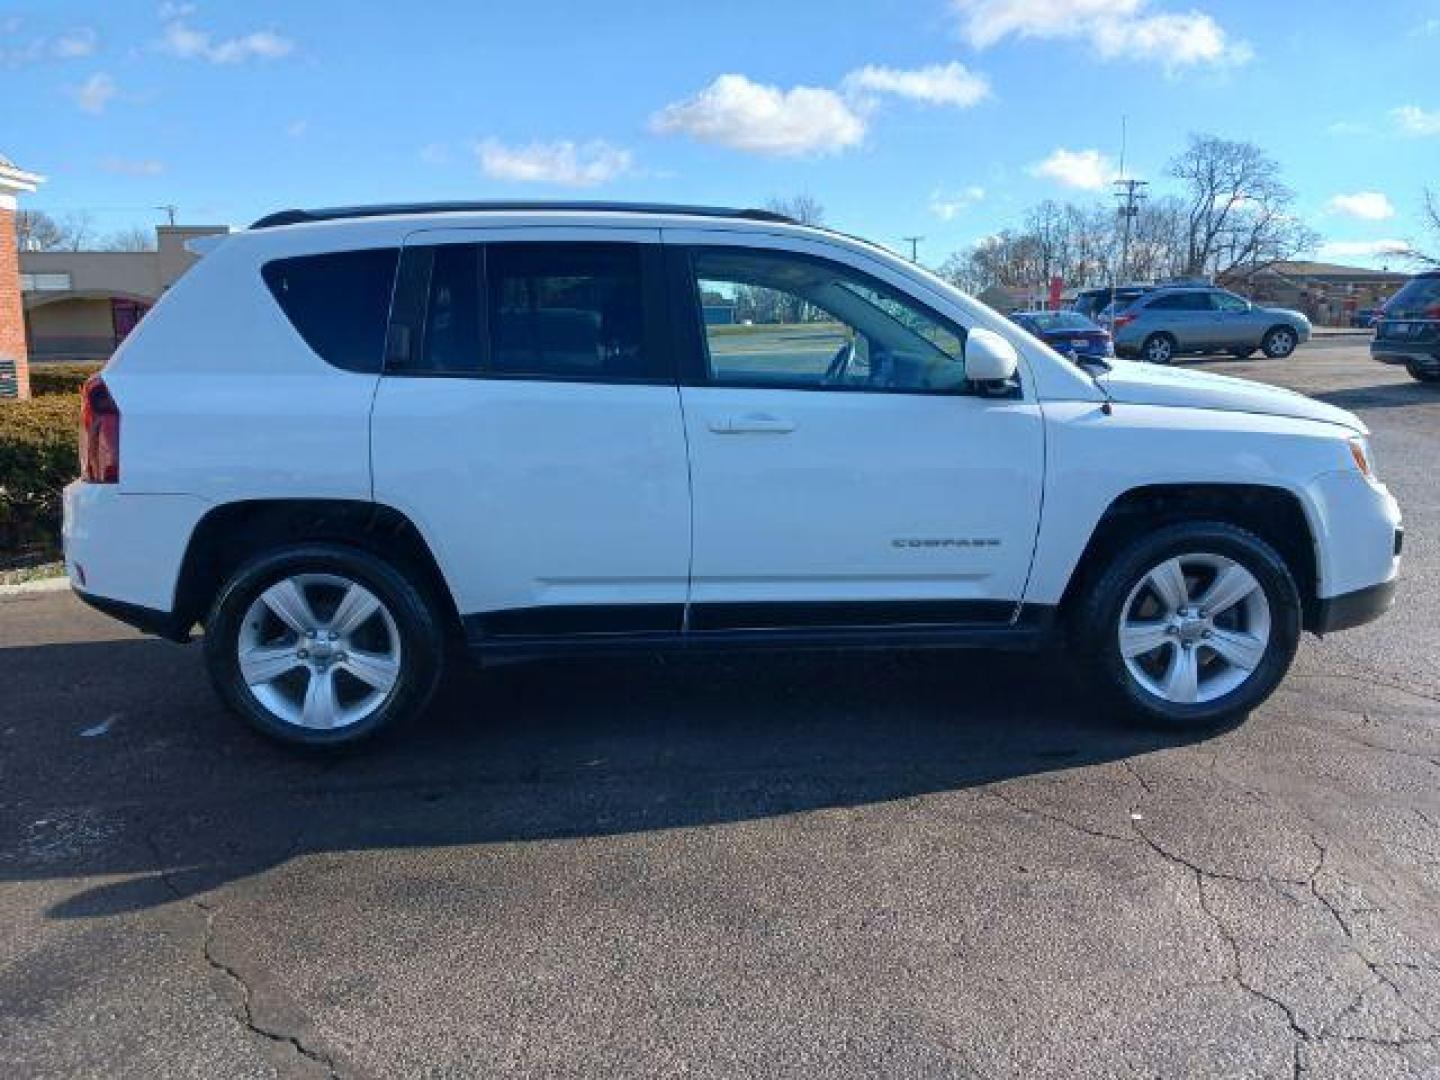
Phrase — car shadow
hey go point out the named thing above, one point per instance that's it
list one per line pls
(123, 773)
(1381, 395)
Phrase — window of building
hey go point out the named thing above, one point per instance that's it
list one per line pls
(51, 282)
(801, 322)
(338, 302)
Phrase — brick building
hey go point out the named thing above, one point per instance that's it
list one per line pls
(14, 358)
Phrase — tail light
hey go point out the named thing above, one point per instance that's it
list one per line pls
(1121, 321)
(99, 433)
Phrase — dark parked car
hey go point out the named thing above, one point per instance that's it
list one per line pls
(1091, 302)
(1068, 332)
(1409, 329)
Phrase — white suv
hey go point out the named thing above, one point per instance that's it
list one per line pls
(348, 440)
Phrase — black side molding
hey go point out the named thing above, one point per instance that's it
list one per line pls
(163, 624)
(1353, 608)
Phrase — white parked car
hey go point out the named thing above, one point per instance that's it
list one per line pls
(348, 440)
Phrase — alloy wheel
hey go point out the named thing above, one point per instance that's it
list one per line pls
(1282, 343)
(1158, 350)
(319, 651)
(1194, 628)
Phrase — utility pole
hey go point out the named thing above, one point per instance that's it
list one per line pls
(914, 242)
(1131, 193)
(169, 209)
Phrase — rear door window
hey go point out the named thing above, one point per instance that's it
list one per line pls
(569, 311)
(338, 302)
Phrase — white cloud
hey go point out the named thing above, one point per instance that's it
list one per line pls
(435, 153)
(1413, 120)
(1348, 127)
(1366, 205)
(185, 41)
(938, 84)
(74, 44)
(1089, 170)
(1428, 28)
(733, 111)
(297, 129)
(172, 10)
(1117, 29)
(949, 205)
(1362, 249)
(562, 162)
(95, 93)
(132, 167)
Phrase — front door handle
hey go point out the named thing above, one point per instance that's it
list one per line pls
(752, 424)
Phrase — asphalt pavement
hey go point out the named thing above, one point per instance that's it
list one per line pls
(858, 865)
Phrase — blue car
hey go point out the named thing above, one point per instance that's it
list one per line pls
(1069, 333)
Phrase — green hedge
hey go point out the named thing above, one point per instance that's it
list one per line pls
(39, 455)
(60, 378)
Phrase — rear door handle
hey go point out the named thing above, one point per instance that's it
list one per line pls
(752, 424)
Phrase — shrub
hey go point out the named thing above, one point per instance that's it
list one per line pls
(60, 378)
(39, 455)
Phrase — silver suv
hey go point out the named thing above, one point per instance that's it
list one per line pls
(1167, 322)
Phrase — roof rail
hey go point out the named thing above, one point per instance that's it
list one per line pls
(341, 213)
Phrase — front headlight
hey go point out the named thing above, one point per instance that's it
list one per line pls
(1360, 452)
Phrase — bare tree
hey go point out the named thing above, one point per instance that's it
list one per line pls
(805, 209)
(1238, 215)
(36, 230)
(131, 239)
(1430, 215)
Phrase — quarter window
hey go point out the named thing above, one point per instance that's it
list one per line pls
(776, 319)
(338, 302)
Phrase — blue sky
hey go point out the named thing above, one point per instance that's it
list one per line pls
(943, 118)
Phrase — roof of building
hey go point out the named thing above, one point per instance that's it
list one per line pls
(1306, 268)
(340, 213)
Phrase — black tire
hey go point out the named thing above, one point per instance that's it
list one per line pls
(1279, 342)
(421, 640)
(1095, 624)
(1420, 374)
(1158, 349)
(1242, 354)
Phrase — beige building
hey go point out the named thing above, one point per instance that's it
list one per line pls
(80, 304)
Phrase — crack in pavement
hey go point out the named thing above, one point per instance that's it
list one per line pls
(246, 1013)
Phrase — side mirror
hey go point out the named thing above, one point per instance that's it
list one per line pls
(989, 358)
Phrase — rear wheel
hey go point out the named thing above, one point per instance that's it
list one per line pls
(1423, 374)
(1191, 625)
(1158, 349)
(323, 645)
(1279, 342)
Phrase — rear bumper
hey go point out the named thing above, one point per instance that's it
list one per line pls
(1354, 608)
(1425, 357)
(125, 550)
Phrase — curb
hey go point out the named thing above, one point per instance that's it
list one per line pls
(42, 585)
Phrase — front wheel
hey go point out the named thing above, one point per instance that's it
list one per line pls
(1158, 349)
(1190, 625)
(323, 645)
(1279, 342)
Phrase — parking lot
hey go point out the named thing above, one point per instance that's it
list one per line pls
(903, 865)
